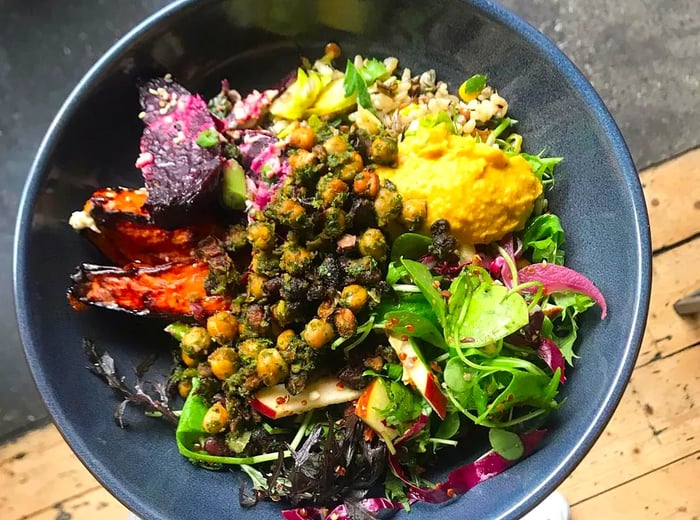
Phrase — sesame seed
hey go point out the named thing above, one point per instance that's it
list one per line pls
(142, 115)
(153, 91)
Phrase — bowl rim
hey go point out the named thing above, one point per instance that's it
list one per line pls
(495, 12)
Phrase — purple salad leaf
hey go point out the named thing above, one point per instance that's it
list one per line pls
(549, 352)
(557, 278)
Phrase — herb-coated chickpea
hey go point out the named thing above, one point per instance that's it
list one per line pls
(222, 327)
(317, 333)
(223, 362)
(215, 419)
(271, 367)
(302, 137)
(195, 341)
(373, 243)
(345, 322)
(354, 297)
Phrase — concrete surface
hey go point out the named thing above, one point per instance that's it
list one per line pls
(643, 56)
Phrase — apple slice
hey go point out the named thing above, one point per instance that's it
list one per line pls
(417, 374)
(375, 398)
(275, 402)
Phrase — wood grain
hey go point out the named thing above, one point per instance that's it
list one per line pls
(656, 423)
(38, 472)
(676, 273)
(669, 493)
(672, 192)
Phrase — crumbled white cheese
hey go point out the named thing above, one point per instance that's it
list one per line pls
(80, 220)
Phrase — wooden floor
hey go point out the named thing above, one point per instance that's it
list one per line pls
(646, 464)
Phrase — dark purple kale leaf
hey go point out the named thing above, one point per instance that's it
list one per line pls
(102, 365)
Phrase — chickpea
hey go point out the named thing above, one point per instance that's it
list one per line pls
(354, 297)
(325, 309)
(256, 285)
(291, 213)
(284, 340)
(301, 159)
(235, 238)
(222, 327)
(317, 333)
(261, 235)
(373, 243)
(345, 322)
(334, 222)
(195, 341)
(387, 205)
(272, 368)
(366, 184)
(302, 137)
(295, 259)
(264, 263)
(335, 144)
(413, 213)
(352, 165)
(332, 191)
(384, 151)
(250, 348)
(223, 362)
(215, 419)
(187, 359)
(282, 313)
(184, 387)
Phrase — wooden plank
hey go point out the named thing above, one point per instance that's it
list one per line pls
(669, 493)
(672, 192)
(38, 471)
(675, 274)
(656, 423)
(93, 504)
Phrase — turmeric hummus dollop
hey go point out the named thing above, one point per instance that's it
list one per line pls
(482, 192)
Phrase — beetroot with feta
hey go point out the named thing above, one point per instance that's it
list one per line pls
(180, 153)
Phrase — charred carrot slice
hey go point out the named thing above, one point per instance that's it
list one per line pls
(126, 233)
(171, 291)
(124, 202)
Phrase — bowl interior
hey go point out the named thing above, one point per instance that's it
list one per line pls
(94, 142)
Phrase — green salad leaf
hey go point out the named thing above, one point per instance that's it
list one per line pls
(507, 444)
(411, 323)
(354, 83)
(424, 281)
(410, 245)
(543, 239)
(482, 312)
(563, 329)
(474, 84)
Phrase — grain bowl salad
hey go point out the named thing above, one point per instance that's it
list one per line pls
(359, 275)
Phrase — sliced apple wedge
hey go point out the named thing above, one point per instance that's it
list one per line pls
(375, 398)
(275, 402)
(417, 373)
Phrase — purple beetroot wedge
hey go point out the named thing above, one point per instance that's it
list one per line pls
(180, 154)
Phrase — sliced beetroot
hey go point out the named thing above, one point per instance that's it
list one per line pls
(181, 176)
(549, 352)
(557, 278)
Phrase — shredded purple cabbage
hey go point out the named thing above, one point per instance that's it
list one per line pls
(465, 477)
(341, 512)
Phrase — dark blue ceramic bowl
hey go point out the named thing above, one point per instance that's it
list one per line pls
(94, 140)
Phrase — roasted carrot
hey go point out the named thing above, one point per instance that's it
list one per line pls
(127, 233)
(173, 291)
